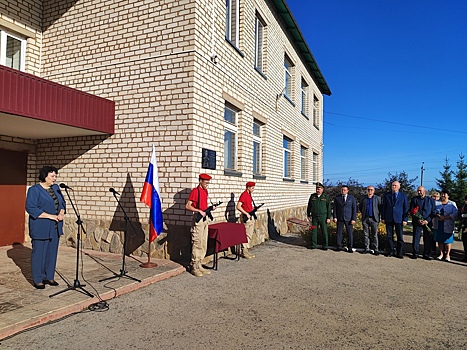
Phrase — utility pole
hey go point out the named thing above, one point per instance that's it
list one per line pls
(422, 169)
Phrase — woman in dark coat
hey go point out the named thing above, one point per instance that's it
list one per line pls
(46, 208)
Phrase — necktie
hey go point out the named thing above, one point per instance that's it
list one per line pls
(344, 198)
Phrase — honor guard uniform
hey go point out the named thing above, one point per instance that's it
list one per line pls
(319, 214)
(198, 203)
(245, 206)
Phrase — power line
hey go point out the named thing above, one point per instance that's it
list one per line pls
(396, 123)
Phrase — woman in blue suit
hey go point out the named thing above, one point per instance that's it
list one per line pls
(46, 208)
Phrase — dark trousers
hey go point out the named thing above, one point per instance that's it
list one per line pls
(390, 226)
(348, 229)
(44, 258)
(319, 221)
(427, 240)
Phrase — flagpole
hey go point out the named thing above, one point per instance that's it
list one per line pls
(148, 264)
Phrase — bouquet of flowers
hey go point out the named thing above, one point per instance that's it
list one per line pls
(416, 214)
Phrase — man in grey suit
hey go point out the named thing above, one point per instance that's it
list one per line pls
(345, 214)
(370, 207)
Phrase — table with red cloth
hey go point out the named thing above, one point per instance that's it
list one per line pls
(225, 235)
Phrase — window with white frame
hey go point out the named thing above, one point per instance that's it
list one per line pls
(315, 166)
(304, 89)
(232, 21)
(259, 43)
(287, 146)
(12, 50)
(230, 137)
(316, 108)
(257, 147)
(303, 163)
(287, 77)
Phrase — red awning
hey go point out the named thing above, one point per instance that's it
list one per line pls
(36, 108)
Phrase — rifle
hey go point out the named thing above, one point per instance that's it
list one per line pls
(252, 213)
(208, 212)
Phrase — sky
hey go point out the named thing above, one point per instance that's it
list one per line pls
(397, 70)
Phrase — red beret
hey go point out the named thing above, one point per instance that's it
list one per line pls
(205, 177)
(250, 184)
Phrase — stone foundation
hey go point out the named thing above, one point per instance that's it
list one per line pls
(173, 244)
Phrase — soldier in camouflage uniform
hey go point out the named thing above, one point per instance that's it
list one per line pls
(319, 214)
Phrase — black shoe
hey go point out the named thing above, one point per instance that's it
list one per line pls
(51, 282)
(414, 256)
(339, 249)
(427, 257)
(389, 254)
(350, 250)
(39, 286)
(400, 256)
(465, 259)
(376, 253)
(325, 248)
(366, 251)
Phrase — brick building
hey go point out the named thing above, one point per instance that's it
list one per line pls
(227, 85)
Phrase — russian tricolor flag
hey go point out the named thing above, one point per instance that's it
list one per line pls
(151, 197)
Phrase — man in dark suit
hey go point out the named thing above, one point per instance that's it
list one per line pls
(345, 214)
(425, 208)
(395, 216)
(370, 207)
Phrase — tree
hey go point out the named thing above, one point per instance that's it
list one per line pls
(407, 185)
(356, 189)
(446, 182)
(460, 184)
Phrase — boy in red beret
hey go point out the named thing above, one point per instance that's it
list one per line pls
(198, 203)
(245, 206)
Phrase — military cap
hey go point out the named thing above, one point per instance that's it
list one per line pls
(205, 177)
(319, 184)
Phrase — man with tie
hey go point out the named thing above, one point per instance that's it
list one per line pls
(345, 214)
(395, 217)
(370, 207)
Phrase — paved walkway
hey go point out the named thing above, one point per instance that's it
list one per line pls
(22, 306)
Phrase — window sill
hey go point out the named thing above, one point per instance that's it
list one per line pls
(229, 172)
(235, 47)
(261, 73)
(288, 99)
(259, 177)
(287, 179)
(303, 182)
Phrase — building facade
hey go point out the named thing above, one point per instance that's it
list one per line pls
(228, 88)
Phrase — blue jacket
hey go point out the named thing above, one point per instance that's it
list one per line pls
(395, 212)
(38, 201)
(426, 207)
(345, 212)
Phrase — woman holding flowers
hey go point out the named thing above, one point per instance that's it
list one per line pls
(446, 212)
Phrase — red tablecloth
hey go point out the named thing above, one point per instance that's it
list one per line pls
(227, 234)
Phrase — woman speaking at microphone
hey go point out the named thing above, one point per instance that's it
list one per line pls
(46, 208)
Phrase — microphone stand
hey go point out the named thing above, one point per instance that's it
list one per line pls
(125, 234)
(76, 284)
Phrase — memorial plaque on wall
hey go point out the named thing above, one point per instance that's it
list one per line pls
(208, 159)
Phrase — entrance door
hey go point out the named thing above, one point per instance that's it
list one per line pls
(12, 196)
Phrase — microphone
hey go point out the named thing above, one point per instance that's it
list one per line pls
(113, 191)
(62, 185)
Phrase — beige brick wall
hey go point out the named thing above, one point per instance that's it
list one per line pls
(154, 60)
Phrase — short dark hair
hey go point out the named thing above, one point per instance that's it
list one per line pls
(446, 191)
(45, 171)
(345, 186)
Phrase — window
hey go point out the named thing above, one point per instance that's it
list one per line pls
(259, 44)
(315, 166)
(316, 111)
(12, 51)
(257, 148)
(303, 163)
(230, 138)
(232, 21)
(304, 89)
(287, 145)
(288, 78)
